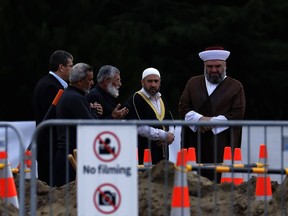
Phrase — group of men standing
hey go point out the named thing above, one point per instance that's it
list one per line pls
(212, 96)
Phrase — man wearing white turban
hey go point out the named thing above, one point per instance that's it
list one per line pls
(148, 104)
(211, 97)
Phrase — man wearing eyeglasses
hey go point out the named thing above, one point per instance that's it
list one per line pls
(106, 93)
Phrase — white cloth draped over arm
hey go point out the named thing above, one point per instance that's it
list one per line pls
(154, 133)
(194, 116)
(219, 129)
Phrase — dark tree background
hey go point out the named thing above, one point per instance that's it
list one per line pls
(135, 34)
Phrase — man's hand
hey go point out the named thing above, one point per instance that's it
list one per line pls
(169, 139)
(118, 113)
(205, 128)
(98, 107)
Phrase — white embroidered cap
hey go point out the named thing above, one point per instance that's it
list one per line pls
(214, 53)
(150, 71)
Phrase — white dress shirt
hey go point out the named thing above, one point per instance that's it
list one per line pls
(151, 132)
(63, 82)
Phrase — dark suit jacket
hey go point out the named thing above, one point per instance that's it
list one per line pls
(44, 93)
(72, 105)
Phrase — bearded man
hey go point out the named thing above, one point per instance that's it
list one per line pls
(212, 96)
(106, 92)
(148, 104)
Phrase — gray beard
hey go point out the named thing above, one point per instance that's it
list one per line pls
(215, 79)
(114, 92)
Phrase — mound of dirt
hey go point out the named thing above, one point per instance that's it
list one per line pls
(155, 192)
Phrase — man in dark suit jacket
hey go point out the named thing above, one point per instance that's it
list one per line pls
(72, 105)
(60, 65)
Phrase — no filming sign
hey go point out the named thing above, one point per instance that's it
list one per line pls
(107, 170)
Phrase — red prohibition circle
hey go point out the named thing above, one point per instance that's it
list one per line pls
(98, 191)
(99, 138)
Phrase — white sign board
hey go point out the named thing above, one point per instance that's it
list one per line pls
(26, 130)
(107, 173)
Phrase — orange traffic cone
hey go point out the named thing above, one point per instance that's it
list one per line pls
(263, 155)
(185, 151)
(263, 189)
(147, 158)
(191, 156)
(8, 190)
(238, 177)
(28, 163)
(227, 160)
(180, 204)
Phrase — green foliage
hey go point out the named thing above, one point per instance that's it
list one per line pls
(133, 35)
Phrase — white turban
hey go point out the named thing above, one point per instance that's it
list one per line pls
(150, 71)
(214, 55)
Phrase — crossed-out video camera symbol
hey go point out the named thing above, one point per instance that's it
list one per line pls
(104, 147)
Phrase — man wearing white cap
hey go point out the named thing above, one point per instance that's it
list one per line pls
(147, 104)
(212, 97)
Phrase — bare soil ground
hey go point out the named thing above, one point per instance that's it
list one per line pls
(155, 192)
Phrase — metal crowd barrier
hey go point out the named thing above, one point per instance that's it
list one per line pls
(249, 127)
